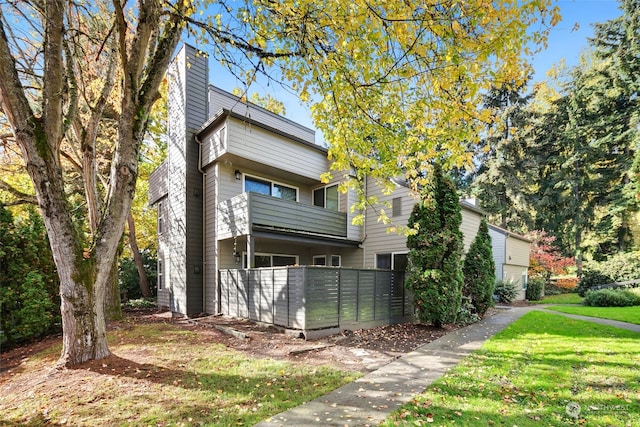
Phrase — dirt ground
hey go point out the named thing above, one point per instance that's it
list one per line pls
(358, 350)
(361, 350)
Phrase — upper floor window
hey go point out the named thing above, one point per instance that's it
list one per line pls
(270, 188)
(326, 197)
(160, 218)
(396, 206)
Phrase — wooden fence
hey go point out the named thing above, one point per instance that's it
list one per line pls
(316, 300)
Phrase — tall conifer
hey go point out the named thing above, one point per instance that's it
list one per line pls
(434, 272)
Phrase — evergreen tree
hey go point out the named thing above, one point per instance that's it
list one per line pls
(435, 251)
(479, 271)
(616, 45)
(29, 301)
(500, 181)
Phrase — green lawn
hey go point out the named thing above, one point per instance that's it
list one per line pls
(572, 298)
(529, 374)
(160, 375)
(623, 314)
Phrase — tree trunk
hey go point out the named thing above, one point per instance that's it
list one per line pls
(137, 257)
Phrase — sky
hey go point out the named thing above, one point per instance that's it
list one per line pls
(566, 41)
(569, 38)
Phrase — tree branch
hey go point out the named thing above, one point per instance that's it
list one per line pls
(21, 197)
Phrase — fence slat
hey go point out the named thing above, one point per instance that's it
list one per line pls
(314, 298)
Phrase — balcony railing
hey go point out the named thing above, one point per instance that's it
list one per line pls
(238, 215)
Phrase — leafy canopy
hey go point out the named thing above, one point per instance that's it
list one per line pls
(393, 85)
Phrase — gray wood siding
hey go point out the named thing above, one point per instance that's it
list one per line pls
(269, 149)
(187, 110)
(285, 214)
(210, 242)
(214, 144)
(158, 183)
(233, 217)
(220, 99)
(378, 240)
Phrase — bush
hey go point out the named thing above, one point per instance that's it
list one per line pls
(467, 313)
(535, 289)
(479, 271)
(434, 273)
(140, 303)
(621, 267)
(611, 298)
(592, 278)
(505, 291)
(29, 294)
(568, 284)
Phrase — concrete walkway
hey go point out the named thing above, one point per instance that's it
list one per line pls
(369, 400)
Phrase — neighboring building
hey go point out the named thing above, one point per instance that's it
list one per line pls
(511, 256)
(241, 189)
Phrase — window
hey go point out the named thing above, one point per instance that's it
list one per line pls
(271, 260)
(400, 262)
(262, 186)
(335, 260)
(160, 218)
(383, 261)
(319, 260)
(160, 275)
(219, 138)
(326, 197)
(396, 206)
(397, 261)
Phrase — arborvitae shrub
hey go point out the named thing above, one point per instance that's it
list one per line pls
(479, 271)
(434, 273)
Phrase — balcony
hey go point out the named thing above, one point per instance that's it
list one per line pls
(241, 214)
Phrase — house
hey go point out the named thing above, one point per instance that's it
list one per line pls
(511, 256)
(246, 227)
